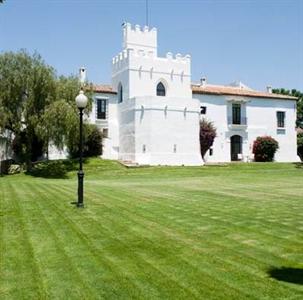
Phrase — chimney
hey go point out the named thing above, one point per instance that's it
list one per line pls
(82, 75)
(269, 89)
(203, 81)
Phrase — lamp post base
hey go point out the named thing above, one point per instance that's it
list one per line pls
(80, 189)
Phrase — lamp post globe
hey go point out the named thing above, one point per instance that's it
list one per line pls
(81, 102)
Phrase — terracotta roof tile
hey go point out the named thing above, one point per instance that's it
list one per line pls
(103, 88)
(234, 91)
(211, 90)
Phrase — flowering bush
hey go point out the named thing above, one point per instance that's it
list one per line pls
(207, 136)
(264, 148)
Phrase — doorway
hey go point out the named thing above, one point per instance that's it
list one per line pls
(235, 147)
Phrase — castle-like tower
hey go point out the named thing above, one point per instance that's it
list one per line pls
(158, 121)
(138, 69)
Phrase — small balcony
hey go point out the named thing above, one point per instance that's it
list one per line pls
(237, 123)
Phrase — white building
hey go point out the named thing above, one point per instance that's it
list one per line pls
(151, 112)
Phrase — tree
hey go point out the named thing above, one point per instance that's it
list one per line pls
(27, 86)
(36, 106)
(208, 134)
(60, 124)
(264, 148)
(300, 145)
(297, 94)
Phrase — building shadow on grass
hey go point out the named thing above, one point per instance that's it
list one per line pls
(53, 169)
(292, 275)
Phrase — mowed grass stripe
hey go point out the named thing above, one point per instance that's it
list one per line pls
(153, 272)
(182, 213)
(18, 254)
(96, 262)
(50, 240)
(109, 257)
(262, 256)
(127, 208)
(203, 268)
(285, 230)
(176, 234)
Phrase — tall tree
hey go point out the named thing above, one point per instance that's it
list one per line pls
(60, 120)
(27, 86)
(36, 106)
(297, 94)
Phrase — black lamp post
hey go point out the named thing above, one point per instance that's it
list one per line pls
(81, 101)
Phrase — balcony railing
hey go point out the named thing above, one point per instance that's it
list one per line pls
(242, 121)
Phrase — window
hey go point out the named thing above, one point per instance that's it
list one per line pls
(281, 119)
(202, 110)
(236, 113)
(160, 89)
(101, 109)
(105, 132)
(120, 93)
(211, 151)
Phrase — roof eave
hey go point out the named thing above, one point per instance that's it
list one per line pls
(273, 96)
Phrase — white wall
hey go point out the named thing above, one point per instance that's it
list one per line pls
(160, 125)
(155, 130)
(55, 153)
(261, 121)
(140, 38)
(111, 143)
(139, 74)
(6, 151)
(146, 129)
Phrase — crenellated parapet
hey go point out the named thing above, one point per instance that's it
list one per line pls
(127, 27)
(178, 57)
(139, 38)
(138, 68)
(132, 57)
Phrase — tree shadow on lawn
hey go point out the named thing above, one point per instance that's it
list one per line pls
(57, 169)
(299, 165)
(292, 275)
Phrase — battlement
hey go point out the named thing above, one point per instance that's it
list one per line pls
(129, 56)
(178, 57)
(127, 53)
(139, 38)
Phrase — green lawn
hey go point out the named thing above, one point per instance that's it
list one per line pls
(216, 232)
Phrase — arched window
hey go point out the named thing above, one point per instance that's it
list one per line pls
(160, 89)
(120, 93)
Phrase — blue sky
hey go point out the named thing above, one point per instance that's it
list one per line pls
(259, 42)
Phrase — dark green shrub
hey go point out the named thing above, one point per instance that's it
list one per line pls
(264, 148)
(21, 149)
(300, 145)
(52, 168)
(92, 142)
(5, 165)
